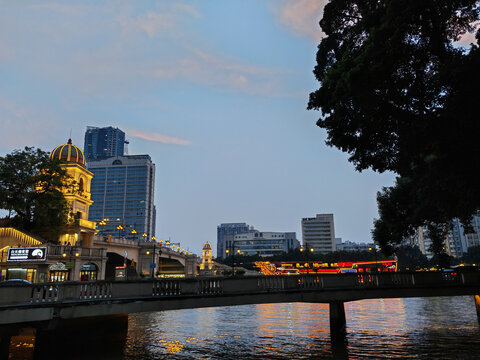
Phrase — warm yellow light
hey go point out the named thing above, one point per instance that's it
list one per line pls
(64, 255)
(311, 249)
(144, 235)
(154, 238)
(227, 251)
(77, 254)
(148, 252)
(301, 249)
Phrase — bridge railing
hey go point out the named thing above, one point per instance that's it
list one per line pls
(218, 286)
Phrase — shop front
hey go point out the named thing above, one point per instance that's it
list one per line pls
(88, 272)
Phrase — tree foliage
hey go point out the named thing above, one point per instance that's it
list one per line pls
(31, 191)
(397, 94)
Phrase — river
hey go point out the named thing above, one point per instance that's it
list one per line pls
(415, 328)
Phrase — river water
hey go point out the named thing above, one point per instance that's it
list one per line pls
(415, 328)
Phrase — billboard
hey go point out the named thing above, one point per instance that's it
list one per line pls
(27, 254)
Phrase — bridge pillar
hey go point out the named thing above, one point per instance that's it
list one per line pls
(338, 323)
(477, 306)
(103, 335)
(5, 337)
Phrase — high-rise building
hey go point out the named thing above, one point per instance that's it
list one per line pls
(265, 243)
(123, 192)
(318, 233)
(102, 143)
(225, 235)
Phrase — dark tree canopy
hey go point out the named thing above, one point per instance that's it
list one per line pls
(398, 95)
(31, 191)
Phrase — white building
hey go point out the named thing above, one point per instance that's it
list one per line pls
(318, 233)
(264, 243)
(352, 246)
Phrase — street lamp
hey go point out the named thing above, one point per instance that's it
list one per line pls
(119, 228)
(102, 223)
(134, 233)
(307, 250)
(376, 261)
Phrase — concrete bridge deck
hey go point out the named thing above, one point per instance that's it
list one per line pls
(45, 302)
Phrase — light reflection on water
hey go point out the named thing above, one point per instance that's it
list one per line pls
(420, 328)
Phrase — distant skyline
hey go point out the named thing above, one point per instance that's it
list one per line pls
(214, 91)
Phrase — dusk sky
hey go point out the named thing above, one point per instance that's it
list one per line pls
(214, 91)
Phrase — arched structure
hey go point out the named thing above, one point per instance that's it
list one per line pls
(80, 230)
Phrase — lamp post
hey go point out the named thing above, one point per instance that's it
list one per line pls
(102, 223)
(119, 228)
(375, 252)
(134, 234)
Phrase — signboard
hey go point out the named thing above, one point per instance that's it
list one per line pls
(120, 273)
(27, 254)
(153, 266)
(59, 266)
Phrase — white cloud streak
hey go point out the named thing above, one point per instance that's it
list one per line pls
(151, 136)
(303, 16)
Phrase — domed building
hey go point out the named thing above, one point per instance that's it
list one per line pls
(207, 264)
(80, 230)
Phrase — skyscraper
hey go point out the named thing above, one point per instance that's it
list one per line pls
(123, 192)
(318, 233)
(225, 236)
(102, 143)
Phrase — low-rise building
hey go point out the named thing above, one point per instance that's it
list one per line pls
(264, 243)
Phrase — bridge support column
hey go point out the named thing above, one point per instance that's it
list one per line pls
(477, 306)
(338, 323)
(5, 337)
(104, 336)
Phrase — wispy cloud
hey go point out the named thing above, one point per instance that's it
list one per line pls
(303, 16)
(25, 125)
(151, 136)
(154, 23)
(219, 71)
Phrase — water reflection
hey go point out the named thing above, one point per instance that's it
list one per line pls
(420, 328)
(444, 328)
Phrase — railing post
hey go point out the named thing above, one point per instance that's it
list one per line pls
(477, 306)
(338, 323)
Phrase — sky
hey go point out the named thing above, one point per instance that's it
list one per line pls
(214, 91)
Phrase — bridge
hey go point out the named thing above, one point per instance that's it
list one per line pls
(30, 305)
(145, 253)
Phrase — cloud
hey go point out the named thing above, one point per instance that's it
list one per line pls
(154, 23)
(151, 136)
(26, 126)
(221, 72)
(303, 16)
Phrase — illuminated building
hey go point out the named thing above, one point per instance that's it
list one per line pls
(207, 265)
(265, 243)
(318, 233)
(102, 143)
(225, 235)
(123, 194)
(80, 230)
(23, 256)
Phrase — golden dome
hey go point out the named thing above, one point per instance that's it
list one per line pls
(207, 246)
(68, 153)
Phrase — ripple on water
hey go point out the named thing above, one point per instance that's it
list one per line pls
(420, 328)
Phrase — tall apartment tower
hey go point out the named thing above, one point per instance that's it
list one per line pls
(225, 236)
(318, 233)
(102, 143)
(123, 192)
